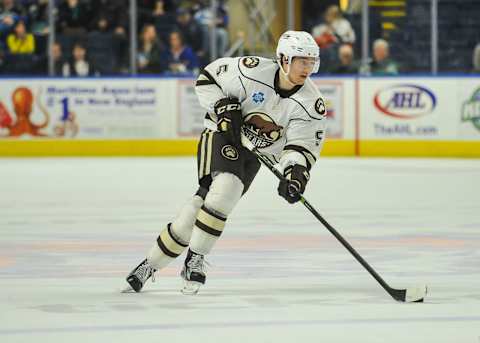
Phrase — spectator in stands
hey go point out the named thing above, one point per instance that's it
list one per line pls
(61, 66)
(108, 38)
(164, 20)
(346, 64)
(38, 16)
(382, 64)
(12, 6)
(10, 12)
(335, 29)
(179, 58)
(329, 35)
(144, 12)
(150, 49)
(73, 17)
(20, 41)
(79, 64)
(476, 59)
(20, 55)
(191, 32)
(110, 16)
(146, 9)
(207, 19)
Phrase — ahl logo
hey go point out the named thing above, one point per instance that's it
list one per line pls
(258, 97)
(405, 101)
(471, 109)
(261, 130)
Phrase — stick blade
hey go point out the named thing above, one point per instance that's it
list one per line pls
(415, 294)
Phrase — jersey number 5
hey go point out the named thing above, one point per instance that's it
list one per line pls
(222, 69)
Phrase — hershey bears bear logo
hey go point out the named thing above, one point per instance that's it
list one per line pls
(229, 152)
(320, 106)
(261, 130)
(250, 62)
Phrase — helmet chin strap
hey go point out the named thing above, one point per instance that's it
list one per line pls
(286, 74)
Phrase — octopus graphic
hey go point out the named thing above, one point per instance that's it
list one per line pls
(22, 100)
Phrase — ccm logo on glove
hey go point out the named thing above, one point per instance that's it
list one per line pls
(227, 108)
(229, 118)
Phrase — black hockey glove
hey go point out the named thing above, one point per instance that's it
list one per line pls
(229, 118)
(296, 178)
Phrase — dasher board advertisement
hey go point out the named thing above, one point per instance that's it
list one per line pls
(468, 95)
(408, 108)
(97, 109)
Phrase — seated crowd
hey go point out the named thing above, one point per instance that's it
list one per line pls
(400, 48)
(92, 37)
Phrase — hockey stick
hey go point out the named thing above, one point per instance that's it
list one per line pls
(411, 294)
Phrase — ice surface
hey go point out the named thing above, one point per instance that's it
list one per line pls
(71, 229)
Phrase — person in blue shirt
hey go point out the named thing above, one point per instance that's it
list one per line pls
(10, 13)
(179, 58)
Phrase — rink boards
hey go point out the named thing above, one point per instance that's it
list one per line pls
(381, 116)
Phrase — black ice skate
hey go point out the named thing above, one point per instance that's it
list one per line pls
(193, 273)
(137, 277)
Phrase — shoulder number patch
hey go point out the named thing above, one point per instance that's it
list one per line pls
(250, 61)
(320, 106)
(319, 137)
(222, 69)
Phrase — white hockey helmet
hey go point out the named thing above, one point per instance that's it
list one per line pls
(298, 44)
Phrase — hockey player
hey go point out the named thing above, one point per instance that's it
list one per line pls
(279, 109)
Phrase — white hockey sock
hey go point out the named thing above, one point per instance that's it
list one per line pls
(175, 237)
(182, 226)
(208, 228)
(224, 193)
(165, 249)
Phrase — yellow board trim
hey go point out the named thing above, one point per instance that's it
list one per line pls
(332, 147)
(386, 148)
(338, 147)
(141, 147)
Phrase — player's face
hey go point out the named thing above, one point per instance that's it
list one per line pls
(300, 69)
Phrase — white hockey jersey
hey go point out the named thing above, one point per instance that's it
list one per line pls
(286, 126)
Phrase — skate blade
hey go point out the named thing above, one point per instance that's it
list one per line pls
(127, 289)
(190, 287)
